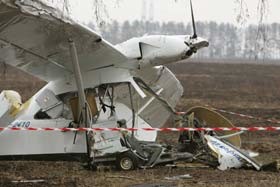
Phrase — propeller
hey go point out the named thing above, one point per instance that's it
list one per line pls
(194, 36)
(193, 49)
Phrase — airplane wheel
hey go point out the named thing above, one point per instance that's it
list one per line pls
(126, 161)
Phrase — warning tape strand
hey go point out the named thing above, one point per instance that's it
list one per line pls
(246, 116)
(141, 129)
(238, 114)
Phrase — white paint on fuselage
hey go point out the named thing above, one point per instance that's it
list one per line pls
(156, 49)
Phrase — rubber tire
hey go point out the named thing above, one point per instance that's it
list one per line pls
(130, 159)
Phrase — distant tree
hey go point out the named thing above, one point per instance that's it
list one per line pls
(168, 28)
(213, 39)
(273, 42)
(127, 31)
(138, 27)
(113, 32)
(233, 41)
(249, 43)
(181, 28)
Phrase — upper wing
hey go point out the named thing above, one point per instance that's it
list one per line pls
(34, 38)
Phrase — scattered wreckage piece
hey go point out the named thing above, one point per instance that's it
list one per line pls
(178, 177)
(182, 164)
(273, 166)
(228, 155)
(220, 149)
(34, 181)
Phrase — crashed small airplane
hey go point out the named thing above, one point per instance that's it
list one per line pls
(91, 83)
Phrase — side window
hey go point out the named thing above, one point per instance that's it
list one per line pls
(41, 115)
(51, 106)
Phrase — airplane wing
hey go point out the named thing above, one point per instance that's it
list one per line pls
(34, 38)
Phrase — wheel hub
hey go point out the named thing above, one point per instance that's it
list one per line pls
(126, 163)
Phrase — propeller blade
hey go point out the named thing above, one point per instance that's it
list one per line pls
(193, 22)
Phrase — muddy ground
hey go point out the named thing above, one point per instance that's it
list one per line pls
(249, 89)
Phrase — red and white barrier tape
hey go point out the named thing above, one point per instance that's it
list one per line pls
(142, 129)
(247, 116)
(239, 115)
(160, 129)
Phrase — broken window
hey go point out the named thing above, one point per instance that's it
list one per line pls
(50, 106)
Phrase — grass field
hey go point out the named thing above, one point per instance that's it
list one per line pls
(244, 88)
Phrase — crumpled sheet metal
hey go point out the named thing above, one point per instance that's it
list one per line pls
(214, 119)
(156, 114)
(228, 155)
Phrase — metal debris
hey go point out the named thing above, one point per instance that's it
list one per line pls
(29, 181)
(178, 177)
(191, 165)
(154, 185)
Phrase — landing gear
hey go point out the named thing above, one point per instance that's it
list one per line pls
(194, 142)
(126, 161)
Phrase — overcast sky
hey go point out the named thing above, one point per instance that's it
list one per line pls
(169, 10)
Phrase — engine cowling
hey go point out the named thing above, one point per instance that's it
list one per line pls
(154, 50)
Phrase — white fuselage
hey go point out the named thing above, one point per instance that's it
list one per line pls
(142, 53)
(23, 143)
